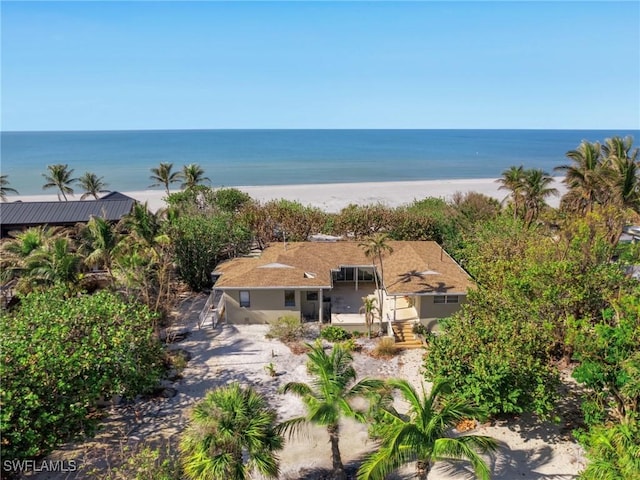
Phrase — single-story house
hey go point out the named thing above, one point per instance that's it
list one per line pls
(327, 281)
(22, 215)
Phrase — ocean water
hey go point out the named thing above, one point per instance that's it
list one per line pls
(281, 157)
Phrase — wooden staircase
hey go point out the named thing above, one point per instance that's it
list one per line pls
(405, 338)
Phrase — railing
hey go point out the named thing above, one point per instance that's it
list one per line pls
(389, 327)
(211, 309)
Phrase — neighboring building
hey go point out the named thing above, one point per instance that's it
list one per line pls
(327, 280)
(22, 215)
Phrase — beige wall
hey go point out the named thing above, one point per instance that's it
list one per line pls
(266, 306)
(429, 310)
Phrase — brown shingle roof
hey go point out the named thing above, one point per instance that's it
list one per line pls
(412, 267)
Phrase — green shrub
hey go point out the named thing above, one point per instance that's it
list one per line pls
(420, 329)
(612, 450)
(494, 356)
(144, 463)
(287, 329)
(334, 333)
(201, 241)
(60, 355)
(351, 345)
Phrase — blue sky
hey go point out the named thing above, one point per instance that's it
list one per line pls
(166, 65)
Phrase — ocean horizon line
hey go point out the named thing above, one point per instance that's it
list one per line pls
(327, 129)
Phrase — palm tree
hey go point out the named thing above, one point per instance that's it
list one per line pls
(163, 176)
(5, 188)
(100, 243)
(535, 190)
(327, 397)
(422, 435)
(143, 261)
(144, 224)
(193, 175)
(55, 262)
(624, 168)
(59, 177)
(512, 179)
(618, 147)
(92, 185)
(613, 451)
(375, 247)
(585, 177)
(18, 249)
(230, 425)
(368, 309)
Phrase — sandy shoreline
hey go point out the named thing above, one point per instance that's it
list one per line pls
(335, 196)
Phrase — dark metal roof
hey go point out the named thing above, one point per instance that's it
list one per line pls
(56, 213)
(115, 196)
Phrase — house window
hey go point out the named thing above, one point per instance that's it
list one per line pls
(345, 274)
(245, 300)
(312, 296)
(365, 274)
(289, 298)
(445, 299)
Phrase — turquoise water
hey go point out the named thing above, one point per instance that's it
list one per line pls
(280, 157)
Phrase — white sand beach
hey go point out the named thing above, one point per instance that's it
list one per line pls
(332, 197)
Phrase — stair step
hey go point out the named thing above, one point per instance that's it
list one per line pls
(409, 345)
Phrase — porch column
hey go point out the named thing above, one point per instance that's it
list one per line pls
(355, 274)
(395, 309)
(320, 307)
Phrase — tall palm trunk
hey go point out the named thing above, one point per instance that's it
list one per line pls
(334, 438)
(381, 292)
(377, 283)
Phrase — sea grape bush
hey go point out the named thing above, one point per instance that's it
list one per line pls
(60, 355)
(334, 333)
(200, 242)
(493, 356)
(609, 356)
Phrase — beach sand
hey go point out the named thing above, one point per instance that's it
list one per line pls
(335, 196)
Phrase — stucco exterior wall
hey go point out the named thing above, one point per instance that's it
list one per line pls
(429, 312)
(266, 306)
(428, 309)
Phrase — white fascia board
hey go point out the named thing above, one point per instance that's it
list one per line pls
(313, 287)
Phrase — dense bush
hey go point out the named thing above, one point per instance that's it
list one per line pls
(609, 356)
(288, 328)
(495, 357)
(60, 355)
(613, 451)
(200, 242)
(333, 333)
(282, 220)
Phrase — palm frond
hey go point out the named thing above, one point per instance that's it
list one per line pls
(292, 427)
